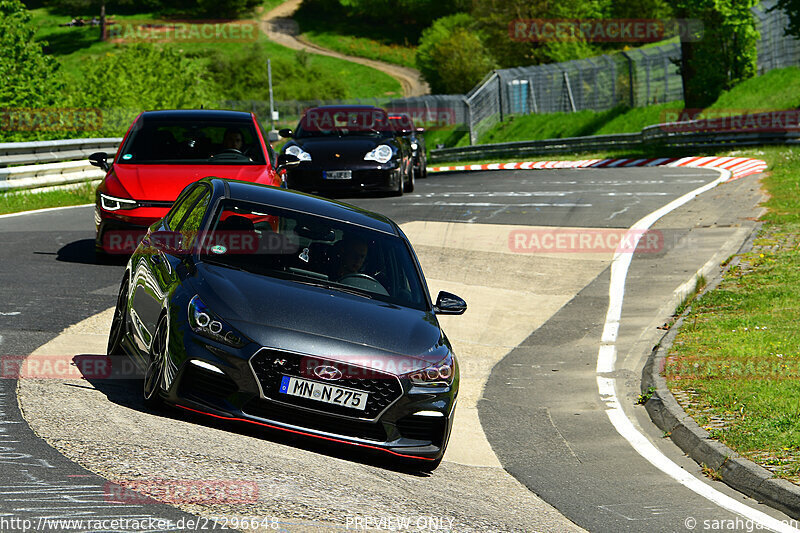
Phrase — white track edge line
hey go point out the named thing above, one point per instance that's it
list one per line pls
(44, 210)
(607, 386)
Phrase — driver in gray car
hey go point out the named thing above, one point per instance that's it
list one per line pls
(348, 258)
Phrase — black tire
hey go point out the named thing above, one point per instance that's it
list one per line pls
(117, 332)
(410, 186)
(400, 187)
(154, 375)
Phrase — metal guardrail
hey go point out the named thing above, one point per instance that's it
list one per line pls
(650, 137)
(37, 164)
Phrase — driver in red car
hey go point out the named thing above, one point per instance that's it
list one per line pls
(233, 140)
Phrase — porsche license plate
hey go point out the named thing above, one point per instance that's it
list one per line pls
(322, 392)
(337, 174)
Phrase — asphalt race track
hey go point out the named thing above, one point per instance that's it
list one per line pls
(533, 448)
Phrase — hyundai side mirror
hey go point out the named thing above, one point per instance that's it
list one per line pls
(99, 159)
(286, 133)
(449, 304)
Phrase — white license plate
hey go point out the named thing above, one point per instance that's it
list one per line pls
(322, 392)
(337, 174)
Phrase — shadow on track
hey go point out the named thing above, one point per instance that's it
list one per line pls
(82, 252)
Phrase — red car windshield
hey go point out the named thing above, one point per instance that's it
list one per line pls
(185, 142)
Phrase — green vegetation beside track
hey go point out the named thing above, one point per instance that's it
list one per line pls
(735, 363)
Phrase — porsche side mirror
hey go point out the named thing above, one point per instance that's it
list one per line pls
(449, 304)
(99, 159)
(286, 133)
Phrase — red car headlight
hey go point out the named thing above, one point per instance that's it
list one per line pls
(113, 203)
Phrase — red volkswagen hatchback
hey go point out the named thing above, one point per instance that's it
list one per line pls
(164, 151)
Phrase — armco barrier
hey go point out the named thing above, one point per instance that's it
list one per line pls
(673, 135)
(25, 153)
(51, 163)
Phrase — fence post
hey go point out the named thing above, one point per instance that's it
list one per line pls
(473, 136)
(500, 94)
(569, 92)
(630, 78)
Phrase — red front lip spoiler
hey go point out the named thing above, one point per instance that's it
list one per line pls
(234, 419)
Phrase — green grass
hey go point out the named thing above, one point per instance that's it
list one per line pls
(74, 47)
(776, 90)
(620, 119)
(15, 202)
(332, 29)
(736, 356)
(364, 47)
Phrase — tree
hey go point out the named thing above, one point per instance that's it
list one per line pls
(142, 77)
(451, 55)
(724, 55)
(792, 9)
(28, 77)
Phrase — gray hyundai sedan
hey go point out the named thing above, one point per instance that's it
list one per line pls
(255, 304)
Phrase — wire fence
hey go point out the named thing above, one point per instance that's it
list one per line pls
(636, 78)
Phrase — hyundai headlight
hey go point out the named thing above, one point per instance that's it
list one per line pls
(207, 324)
(381, 154)
(112, 203)
(298, 152)
(439, 375)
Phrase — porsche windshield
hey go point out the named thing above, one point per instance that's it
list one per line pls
(313, 250)
(341, 122)
(182, 142)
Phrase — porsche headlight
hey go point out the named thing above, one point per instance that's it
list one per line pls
(298, 152)
(207, 324)
(381, 154)
(112, 203)
(438, 375)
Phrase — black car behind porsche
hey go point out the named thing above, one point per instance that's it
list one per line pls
(256, 304)
(348, 148)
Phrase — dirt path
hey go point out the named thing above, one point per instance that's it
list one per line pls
(280, 28)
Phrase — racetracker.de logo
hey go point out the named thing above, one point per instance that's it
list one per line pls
(428, 116)
(178, 491)
(50, 119)
(700, 120)
(195, 31)
(579, 240)
(604, 30)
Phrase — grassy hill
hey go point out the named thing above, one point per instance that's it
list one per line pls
(74, 47)
(776, 90)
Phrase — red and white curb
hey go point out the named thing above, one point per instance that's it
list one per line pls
(739, 167)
